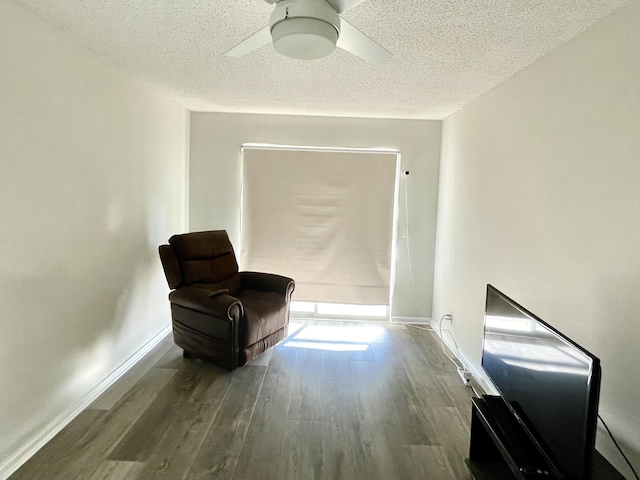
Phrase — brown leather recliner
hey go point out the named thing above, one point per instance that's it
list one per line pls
(219, 314)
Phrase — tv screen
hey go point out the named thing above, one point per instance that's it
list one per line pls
(549, 382)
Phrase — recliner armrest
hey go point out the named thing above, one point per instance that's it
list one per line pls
(267, 282)
(201, 300)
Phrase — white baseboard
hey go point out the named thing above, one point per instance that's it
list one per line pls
(53, 428)
(411, 320)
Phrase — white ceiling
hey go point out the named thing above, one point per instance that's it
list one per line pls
(446, 52)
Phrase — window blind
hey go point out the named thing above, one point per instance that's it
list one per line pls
(323, 218)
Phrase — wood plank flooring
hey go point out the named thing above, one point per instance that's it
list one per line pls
(335, 400)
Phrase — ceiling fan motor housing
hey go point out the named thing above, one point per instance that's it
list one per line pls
(304, 29)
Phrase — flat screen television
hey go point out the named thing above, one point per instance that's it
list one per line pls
(550, 383)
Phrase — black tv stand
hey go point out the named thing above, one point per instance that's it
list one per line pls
(500, 449)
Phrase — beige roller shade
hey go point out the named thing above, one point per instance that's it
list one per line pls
(322, 217)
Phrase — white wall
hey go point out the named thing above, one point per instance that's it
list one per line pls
(215, 178)
(540, 196)
(93, 175)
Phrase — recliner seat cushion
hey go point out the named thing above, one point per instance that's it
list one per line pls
(265, 313)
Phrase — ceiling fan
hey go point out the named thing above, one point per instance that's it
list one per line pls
(311, 29)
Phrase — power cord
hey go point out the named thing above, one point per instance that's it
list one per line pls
(406, 221)
(448, 316)
(464, 374)
(440, 331)
(413, 283)
(475, 392)
(461, 369)
(619, 449)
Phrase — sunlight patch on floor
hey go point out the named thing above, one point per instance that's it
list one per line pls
(337, 338)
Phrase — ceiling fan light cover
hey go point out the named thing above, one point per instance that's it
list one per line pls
(304, 38)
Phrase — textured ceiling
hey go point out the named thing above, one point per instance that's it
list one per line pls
(446, 52)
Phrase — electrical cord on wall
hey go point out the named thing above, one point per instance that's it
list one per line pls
(406, 220)
(633, 470)
(413, 283)
(449, 316)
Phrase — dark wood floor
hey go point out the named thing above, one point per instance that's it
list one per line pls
(333, 401)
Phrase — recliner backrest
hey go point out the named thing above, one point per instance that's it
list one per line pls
(206, 259)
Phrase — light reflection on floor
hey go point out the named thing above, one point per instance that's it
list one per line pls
(338, 338)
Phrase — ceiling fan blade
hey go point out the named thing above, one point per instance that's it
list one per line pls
(255, 41)
(344, 5)
(354, 41)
